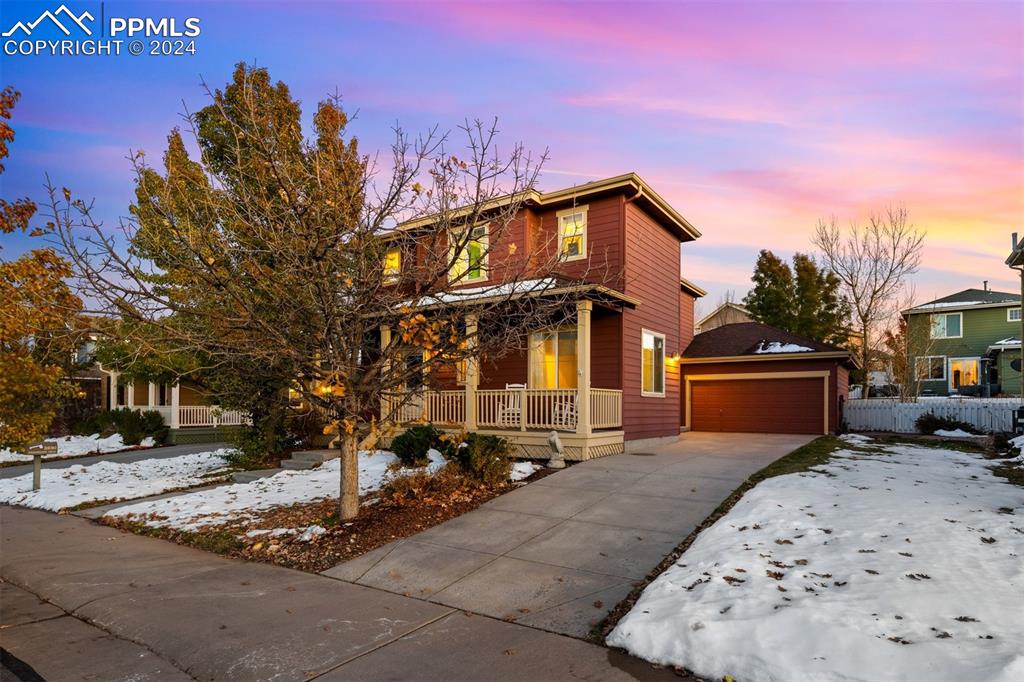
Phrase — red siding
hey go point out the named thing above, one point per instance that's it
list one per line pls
(838, 377)
(651, 275)
(758, 406)
(686, 304)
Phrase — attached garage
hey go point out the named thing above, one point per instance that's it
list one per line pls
(750, 377)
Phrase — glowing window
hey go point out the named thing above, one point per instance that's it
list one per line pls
(572, 233)
(653, 364)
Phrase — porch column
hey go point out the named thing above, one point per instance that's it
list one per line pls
(112, 405)
(151, 399)
(385, 341)
(129, 396)
(472, 372)
(175, 401)
(583, 310)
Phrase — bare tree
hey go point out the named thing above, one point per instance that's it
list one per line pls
(872, 261)
(361, 282)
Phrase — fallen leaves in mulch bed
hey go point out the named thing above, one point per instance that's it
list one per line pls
(381, 520)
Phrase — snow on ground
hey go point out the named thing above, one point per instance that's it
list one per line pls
(522, 470)
(779, 347)
(954, 433)
(74, 446)
(78, 484)
(243, 501)
(891, 563)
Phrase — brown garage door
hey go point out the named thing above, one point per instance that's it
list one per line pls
(758, 405)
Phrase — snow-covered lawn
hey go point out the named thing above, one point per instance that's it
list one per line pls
(78, 484)
(890, 562)
(77, 446)
(244, 501)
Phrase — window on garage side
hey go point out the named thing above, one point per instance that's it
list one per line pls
(653, 364)
(931, 368)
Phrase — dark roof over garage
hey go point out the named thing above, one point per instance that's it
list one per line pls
(759, 341)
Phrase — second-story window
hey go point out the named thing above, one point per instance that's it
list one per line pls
(392, 265)
(572, 233)
(947, 326)
(470, 263)
(1013, 314)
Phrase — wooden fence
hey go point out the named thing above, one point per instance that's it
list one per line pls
(885, 414)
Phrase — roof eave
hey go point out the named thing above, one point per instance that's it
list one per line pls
(692, 288)
(756, 357)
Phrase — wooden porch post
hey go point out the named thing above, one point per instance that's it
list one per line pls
(472, 372)
(151, 398)
(130, 394)
(175, 401)
(112, 405)
(385, 341)
(583, 310)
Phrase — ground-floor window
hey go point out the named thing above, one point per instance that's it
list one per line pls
(963, 372)
(653, 362)
(553, 359)
(931, 368)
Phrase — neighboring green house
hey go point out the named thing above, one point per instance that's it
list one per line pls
(966, 343)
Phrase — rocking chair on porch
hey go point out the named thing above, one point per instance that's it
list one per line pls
(510, 412)
(564, 415)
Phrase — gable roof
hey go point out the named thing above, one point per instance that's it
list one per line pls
(968, 298)
(727, 304)
(756, 341)
(639, 192)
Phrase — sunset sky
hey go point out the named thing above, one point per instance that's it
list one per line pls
(753, 120)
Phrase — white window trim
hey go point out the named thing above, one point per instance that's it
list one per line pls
(484, 262)
(531, 362)
(586, 225)
(945, 366)
(932, 326)
(664, 379)
(1009, 311)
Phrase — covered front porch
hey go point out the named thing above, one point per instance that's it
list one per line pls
(181, 406)
(526, 395)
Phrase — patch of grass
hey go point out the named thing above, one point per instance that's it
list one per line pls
(930, 442)
(804, 458)
(217, 541)
(1011, 472)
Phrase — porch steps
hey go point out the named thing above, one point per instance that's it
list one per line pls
(308, 459)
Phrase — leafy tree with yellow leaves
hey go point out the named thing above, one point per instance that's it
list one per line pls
(37, 313)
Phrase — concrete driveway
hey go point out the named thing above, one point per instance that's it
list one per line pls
(162, 452)
(560, 553)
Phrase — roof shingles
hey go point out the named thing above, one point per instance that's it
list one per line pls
(745, 338)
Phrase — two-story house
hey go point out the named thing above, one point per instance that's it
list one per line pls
(967, 343)
(609, 371)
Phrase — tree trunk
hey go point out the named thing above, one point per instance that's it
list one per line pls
(865, 354)
(348, 504)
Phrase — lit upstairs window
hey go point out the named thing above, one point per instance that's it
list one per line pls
(572, 233)
(392, 265)
(470, 264)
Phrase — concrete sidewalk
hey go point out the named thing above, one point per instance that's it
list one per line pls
(87, 602)
(162, 452)
(560, 553)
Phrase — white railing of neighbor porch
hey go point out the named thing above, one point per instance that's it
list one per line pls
(883, 414)
(208, 415)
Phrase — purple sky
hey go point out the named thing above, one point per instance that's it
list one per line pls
(752, 119)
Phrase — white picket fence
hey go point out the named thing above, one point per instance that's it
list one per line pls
(886, 414)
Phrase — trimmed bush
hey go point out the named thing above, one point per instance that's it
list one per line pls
(485, 459)
(411, 447)
(133, 426)
(929, 423)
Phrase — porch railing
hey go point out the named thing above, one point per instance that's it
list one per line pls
(197, 415)
(520, 409)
